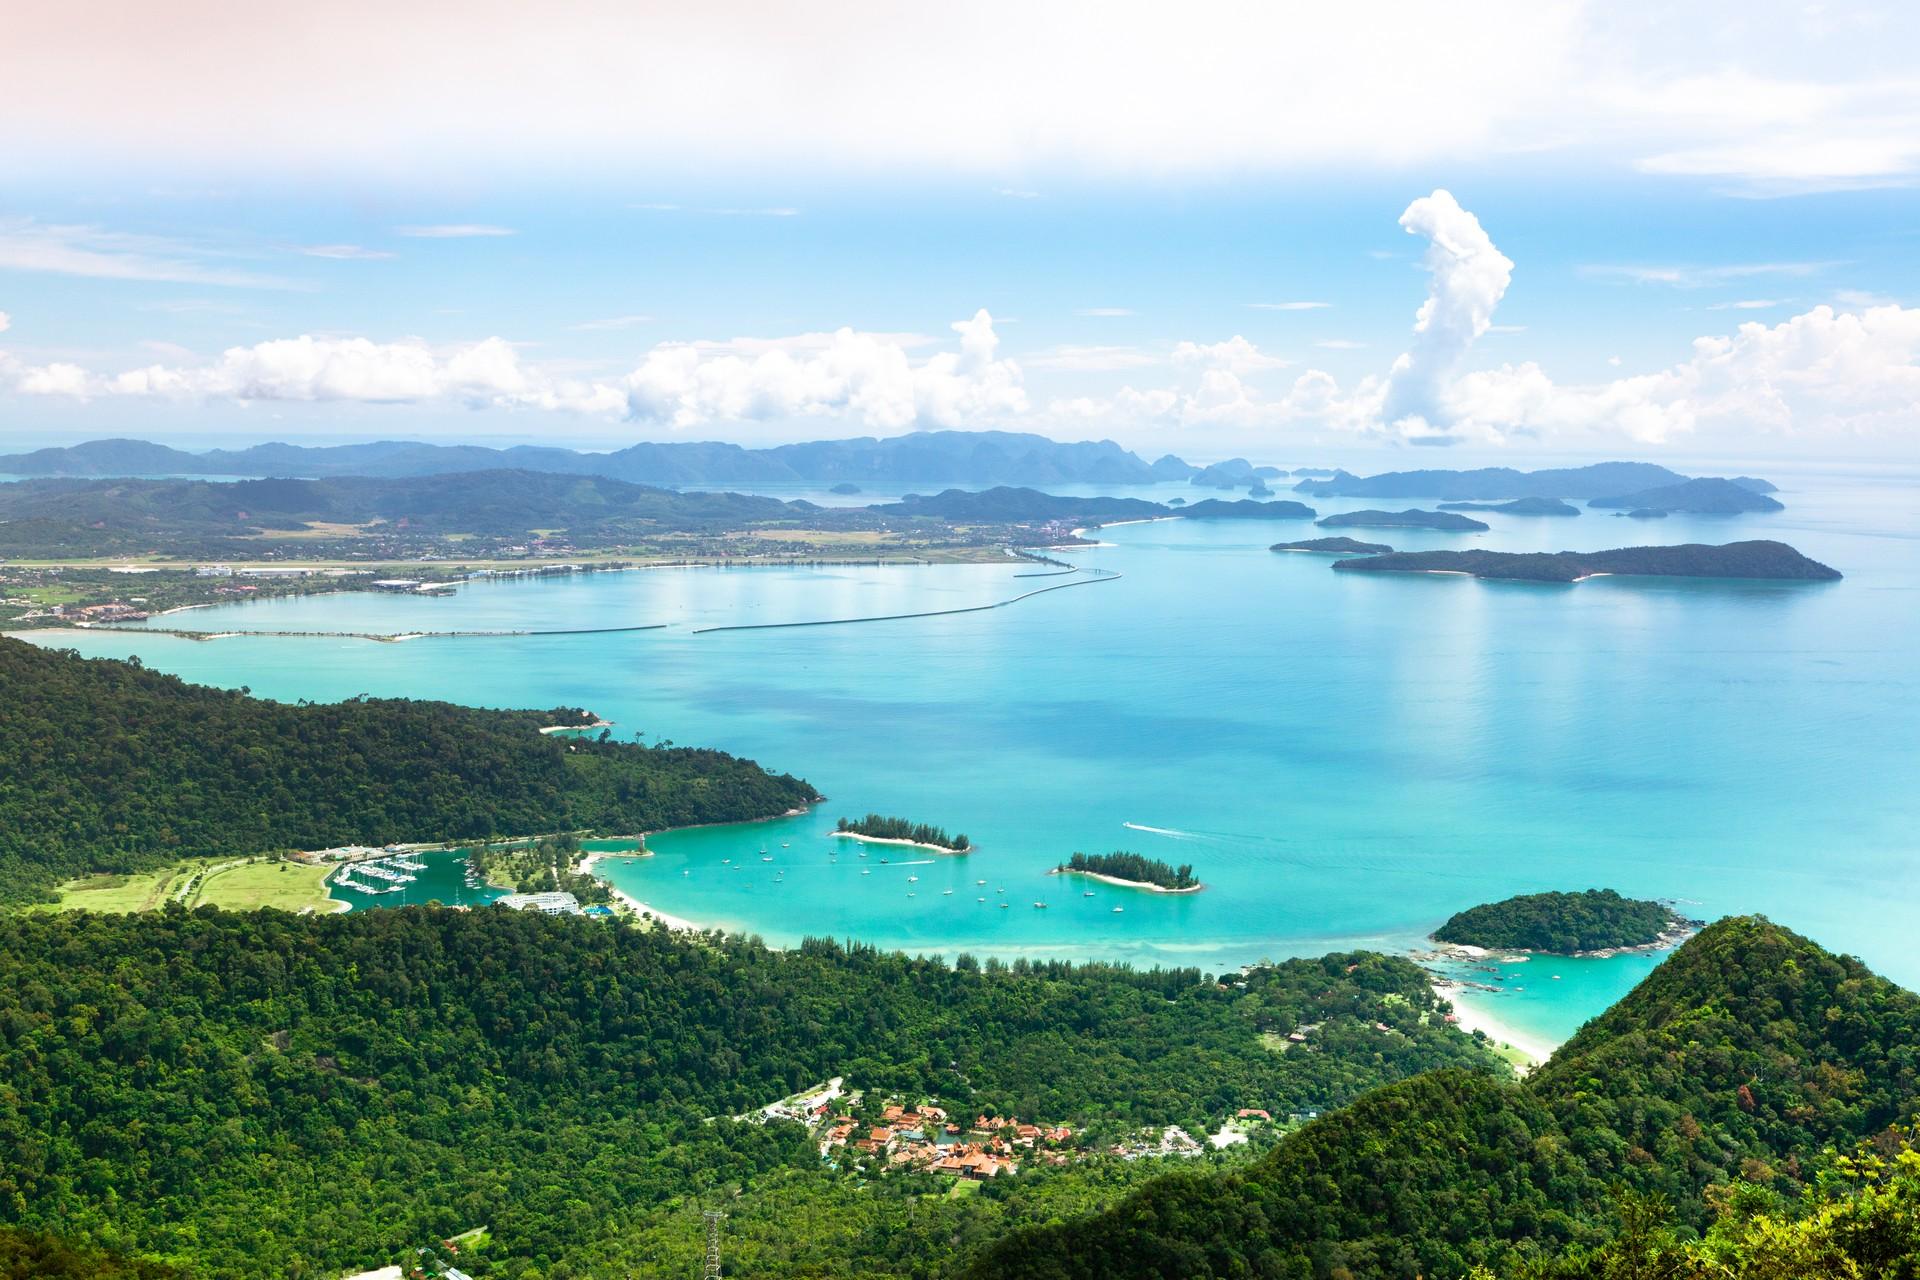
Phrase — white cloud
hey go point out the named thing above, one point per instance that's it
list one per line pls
(454, 231)
(1288, 306)
(1104, 313)
(1771, 94)
(1824, 373)
(1746, 304)
(100, 254)
(53, 380)
(859, 375)
(319, 369)
(6, 322)
(1340, 344)
(344, 252)
(1469, 277)
(1236, 356)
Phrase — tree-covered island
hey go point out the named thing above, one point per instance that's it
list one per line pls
(1565, 923)
(1121, 867)
(890, 830)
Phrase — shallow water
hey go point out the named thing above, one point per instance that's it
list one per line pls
(1346, 759)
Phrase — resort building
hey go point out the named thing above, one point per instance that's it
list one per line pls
(547, 904)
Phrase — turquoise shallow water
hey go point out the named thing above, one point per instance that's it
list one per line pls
(1346, 759)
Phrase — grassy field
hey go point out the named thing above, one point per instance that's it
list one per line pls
(286, 885)
(234, 885)
(142, 891)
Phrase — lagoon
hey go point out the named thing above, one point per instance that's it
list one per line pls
(1346, 759)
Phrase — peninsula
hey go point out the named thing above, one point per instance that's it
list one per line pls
(1758, 559)
(1334, 546)
(1518, 507)
(1411, 518)
(1132, 871)
(112, 768)
(880, 829)
(1596, 922)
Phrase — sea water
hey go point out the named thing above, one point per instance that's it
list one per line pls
(1346, 759)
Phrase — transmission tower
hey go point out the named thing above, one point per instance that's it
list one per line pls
(713, 1219)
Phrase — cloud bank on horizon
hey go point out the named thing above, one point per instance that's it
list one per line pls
(1825, 372)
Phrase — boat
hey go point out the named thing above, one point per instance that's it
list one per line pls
(912, 879)
(948, 893)
(1005, 905)
(979, 899)
(979, 881)
(912, 894)
(1039, 906)
(1118, 910)
(766, 857)
(786, 844)
(723, 861)
(1087, 894)
(686, 873)
(865, 872)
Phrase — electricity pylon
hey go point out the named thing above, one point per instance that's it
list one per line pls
(713, 1219)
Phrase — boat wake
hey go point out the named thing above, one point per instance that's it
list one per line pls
(1162, 831)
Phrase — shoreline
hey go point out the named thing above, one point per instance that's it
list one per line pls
(1148, 885)
(1471, 1016)
(910, 844)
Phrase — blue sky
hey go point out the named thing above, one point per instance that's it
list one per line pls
(255, 248)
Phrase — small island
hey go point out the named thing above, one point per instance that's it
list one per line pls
(1132, 871)
(1334, 546)
(1598, 922)
(1518, 507)
(1707, 496)
(1774, 561)
(844, 488)
(1248, 509)
(878, 828)
(1411, 518)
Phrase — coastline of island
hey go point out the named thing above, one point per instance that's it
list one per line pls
(911, 844)
(1118, 882)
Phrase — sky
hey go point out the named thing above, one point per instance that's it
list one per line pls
(1377, 230)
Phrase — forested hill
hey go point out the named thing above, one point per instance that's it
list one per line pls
(107, 766)
(1738, 1061)
(1561, 923)
(501, 501)
(961, 457)
(262, 1094)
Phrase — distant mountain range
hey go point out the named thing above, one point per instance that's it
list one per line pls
(952, 457)
(1599, 480)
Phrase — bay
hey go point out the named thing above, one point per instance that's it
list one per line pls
(1345, 759)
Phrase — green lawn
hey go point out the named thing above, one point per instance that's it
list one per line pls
(141, 891)
(286, 885)
(236, 885)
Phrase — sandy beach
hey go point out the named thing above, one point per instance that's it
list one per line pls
(670, 921)
(909, 844)
(1472, 1015)
(1117, 882)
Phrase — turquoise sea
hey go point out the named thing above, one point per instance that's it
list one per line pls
(1345, 759)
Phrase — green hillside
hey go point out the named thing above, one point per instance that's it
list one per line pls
(106, 766)
(1734, 1065)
